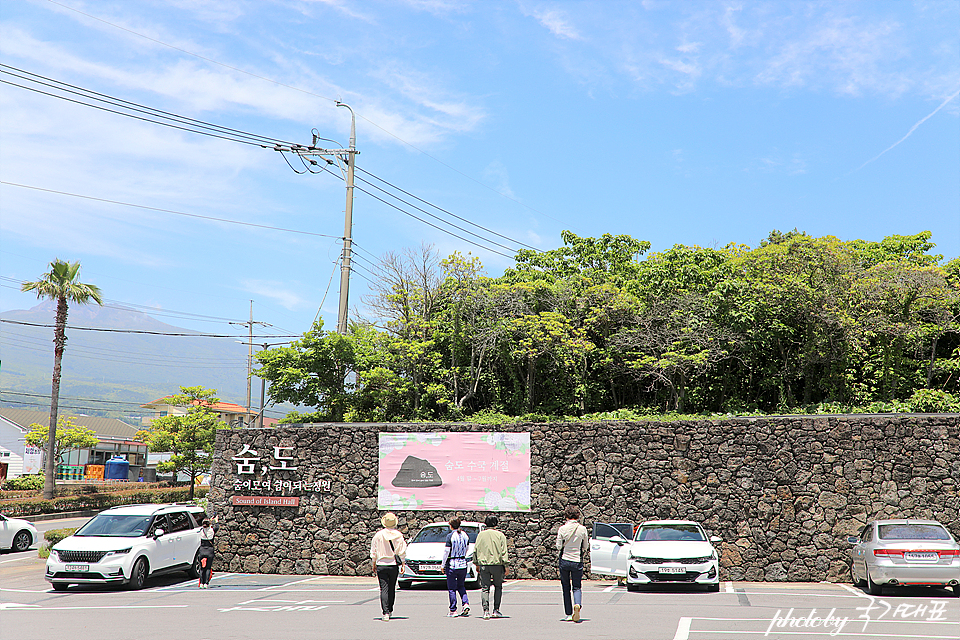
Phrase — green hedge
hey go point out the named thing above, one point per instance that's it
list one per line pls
(98, 501)
(56, 535)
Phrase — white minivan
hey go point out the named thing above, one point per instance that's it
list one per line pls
(128, 544)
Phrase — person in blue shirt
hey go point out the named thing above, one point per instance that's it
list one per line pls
(455, 567)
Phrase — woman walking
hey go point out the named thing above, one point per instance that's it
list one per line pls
(572, 544)
(455, 567)
(206, 553)
(388, 551)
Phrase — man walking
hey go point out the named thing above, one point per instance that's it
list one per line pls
(490, 556)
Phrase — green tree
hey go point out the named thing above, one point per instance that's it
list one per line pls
(60, 284)
(190, 437)
(312, 371)
(68, 436)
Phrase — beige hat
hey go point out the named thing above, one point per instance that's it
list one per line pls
(389, 520)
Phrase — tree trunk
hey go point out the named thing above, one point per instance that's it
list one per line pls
(933, 359)
(59, 341)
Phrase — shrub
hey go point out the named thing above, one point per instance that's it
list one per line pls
(56, 535)
(98, 501)
(933, 401)
(24, 483)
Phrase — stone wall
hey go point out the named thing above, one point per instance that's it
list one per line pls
(782, 492)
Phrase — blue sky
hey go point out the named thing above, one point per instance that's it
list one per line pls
(675, 122)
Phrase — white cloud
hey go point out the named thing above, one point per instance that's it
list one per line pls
(496, 174)
(274, 290)
(557, 23)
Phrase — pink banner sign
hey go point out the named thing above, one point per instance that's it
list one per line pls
(480, 471)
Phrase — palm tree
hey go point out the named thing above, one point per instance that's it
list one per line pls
(60, 284)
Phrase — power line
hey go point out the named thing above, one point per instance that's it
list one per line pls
(449, 213)
(150, 114)
(179, 213)
(153, 333)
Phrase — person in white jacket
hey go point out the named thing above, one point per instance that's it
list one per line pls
(388, 550)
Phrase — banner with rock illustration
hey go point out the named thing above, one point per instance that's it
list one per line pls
(478, 471)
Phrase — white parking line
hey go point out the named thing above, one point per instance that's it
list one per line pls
(728, 587)
(24, 590)
(119, 606)
(856, 592)
(683, 629)
(281, 586)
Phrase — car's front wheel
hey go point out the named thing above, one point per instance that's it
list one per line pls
(139, 574)
(22, 541)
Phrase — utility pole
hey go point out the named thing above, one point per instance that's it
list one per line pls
(263, 382)
(249, 325)
(342, 156)
(347, 228)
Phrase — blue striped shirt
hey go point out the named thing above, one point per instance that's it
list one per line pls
(456, 549)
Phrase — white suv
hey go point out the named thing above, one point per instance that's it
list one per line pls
(125, 545)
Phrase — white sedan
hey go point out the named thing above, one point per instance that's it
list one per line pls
(660, 552)
(16, 534)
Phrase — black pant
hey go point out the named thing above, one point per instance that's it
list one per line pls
(387, 574)
(491, 574)
(206, 564)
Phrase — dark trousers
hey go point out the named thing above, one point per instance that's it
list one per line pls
(491, 574)
(457, 583)
(387, 574)
(206, 564)
(571, 573)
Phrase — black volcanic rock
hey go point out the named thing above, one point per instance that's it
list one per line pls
(416, 472)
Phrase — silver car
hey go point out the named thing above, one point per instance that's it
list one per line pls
(905, 553)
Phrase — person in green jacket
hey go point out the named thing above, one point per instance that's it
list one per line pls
(490, 557)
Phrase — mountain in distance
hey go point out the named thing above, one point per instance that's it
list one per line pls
(118, 371)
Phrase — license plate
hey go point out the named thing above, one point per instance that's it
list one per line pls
(672, 570)
(921, 555)
(80, 568)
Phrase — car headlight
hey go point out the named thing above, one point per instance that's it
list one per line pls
(119, 552)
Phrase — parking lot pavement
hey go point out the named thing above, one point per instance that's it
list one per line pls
(265, 607)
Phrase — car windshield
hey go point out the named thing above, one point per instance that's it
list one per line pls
(683, 532)
(912, 532)
(439, 533)
(115, 526)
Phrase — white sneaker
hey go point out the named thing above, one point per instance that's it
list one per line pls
(568, 619)
(576, 613)
(486, 615)
(385, 617)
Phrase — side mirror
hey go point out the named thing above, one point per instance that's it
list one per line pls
(157, 533)
(620, 540)
(716, 539)
(853, 539)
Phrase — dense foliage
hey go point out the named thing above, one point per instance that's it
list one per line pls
(598, 327)
(189, 437)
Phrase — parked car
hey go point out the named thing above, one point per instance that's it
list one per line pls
(128, 544)
(16, 534)
(659, 552)
(905, 553)
(425, 554)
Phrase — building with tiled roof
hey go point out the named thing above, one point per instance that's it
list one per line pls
(117, 438)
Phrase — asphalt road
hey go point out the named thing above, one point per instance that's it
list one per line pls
(267, 607)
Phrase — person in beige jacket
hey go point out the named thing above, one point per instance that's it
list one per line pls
(490, 556)
(573, 545)
(388, 550)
